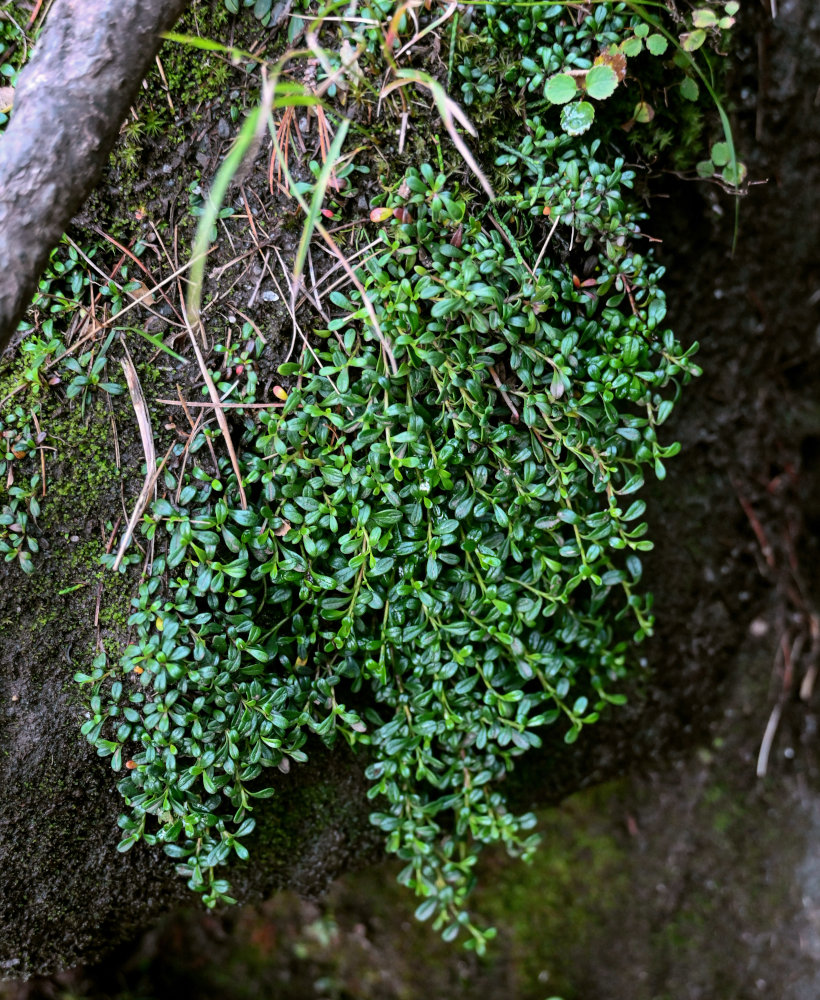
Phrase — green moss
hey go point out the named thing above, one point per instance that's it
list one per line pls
(84, 482)
(191, 79)
(573, 884)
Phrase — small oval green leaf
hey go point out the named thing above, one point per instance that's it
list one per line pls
(704, 18)
(692, 40)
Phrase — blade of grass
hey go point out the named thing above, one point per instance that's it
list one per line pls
(207, 45)
(156, 341)
(449, 112)
(331, 243)
(248, 138)
(317, 199)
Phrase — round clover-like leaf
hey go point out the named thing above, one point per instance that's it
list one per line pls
(689, 89)
(560, 88)
(692, 40)
(721, 154)
(632, 47)
(657, 44)
(577, 118)
(643, 113)
(734, 174)
(601, 82)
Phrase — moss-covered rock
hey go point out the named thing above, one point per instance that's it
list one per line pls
(66, 895)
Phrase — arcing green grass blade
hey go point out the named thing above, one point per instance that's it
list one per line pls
(156, 341)
(331, 244)
(208, 45)
(273, 95)
(246, 140)
(319, 191)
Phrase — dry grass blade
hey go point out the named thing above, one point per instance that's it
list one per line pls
(147, 438)
(296, 329)
(371, 312)
(450, 114)
(140, 409)
(312, 212)
(146, 300)
(220, 415)
(546, 243)
(768, 740)
(142, 503)
(184, 403)
(426, 31)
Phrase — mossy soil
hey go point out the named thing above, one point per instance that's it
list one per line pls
(64, 890)
(681, 880)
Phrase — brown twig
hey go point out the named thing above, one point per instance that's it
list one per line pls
(757, 527)
(500, 386)
(225, 406)
(147, 436)
(41, 450)
(220, 413)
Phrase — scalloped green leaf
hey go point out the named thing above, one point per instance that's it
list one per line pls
(734, 174)
(560, 88)
(601, 82)
(721, 154)
(657, 44)
(577, 118)
(689, 89)
(632, 47)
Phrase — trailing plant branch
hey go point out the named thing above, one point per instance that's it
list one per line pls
(432, 548)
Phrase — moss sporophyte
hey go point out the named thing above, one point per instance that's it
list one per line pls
(437, 563)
